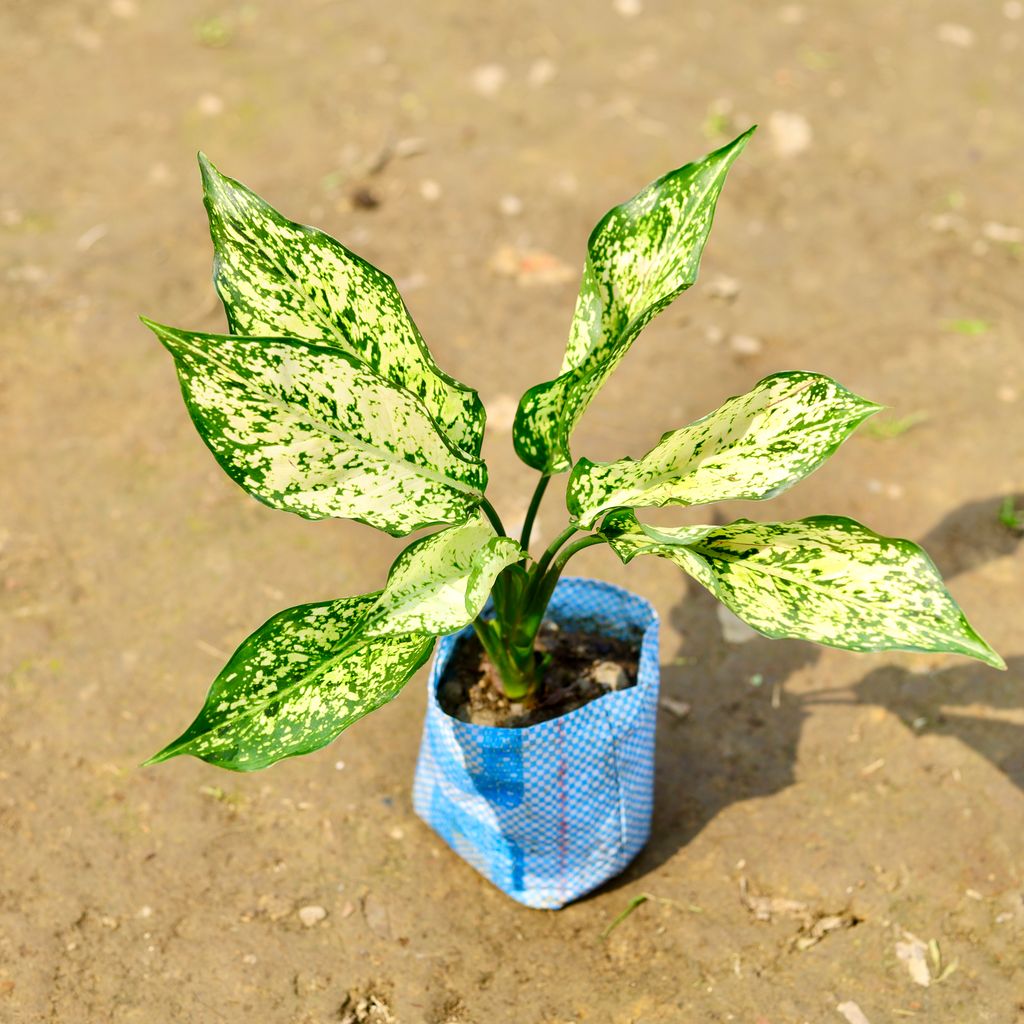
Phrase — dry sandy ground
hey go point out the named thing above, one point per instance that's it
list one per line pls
(873, 228)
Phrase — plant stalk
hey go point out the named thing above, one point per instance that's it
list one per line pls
(572, 549)
(495, 519)
(531, 512)
(552, 550)
(508, 639)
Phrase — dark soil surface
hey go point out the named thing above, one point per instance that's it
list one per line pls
(579, 667)
(871, 231)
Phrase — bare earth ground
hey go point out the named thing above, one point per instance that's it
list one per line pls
(882, 248)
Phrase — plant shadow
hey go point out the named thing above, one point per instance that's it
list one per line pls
(739, 740)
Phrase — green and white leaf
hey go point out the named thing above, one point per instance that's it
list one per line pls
(278, 278)
(754, 446)
(296, 683)
(827, 579)
(314, 431)
(441, 583)
(640, 256)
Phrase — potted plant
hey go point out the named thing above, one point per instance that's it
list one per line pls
(536, 762)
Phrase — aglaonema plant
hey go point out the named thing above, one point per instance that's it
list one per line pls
(323, 400)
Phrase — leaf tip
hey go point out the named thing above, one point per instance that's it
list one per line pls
(162, 331)
(734, 148)
(209, 173)
(158, 758)
(988, 654)
(158, 329)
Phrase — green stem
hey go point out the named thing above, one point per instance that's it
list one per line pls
(552, 550)
(516, 682)
(544, 583)
(579, 545)
(493, 516)
(531, 512)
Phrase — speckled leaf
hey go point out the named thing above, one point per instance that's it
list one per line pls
(278, 278)
(312, 430)
(296, 683)
(640, 256)
(441, 583)
(753, 446)
(826, 579)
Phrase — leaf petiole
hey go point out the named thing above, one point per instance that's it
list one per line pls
(531, 512)
(492, 515)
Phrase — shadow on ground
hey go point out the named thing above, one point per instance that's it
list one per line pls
(735, 745)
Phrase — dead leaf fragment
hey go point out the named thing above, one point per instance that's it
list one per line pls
(764, 908)
(530, 267)
(377, 917)
(853, 1013)
(821, 927)
(914, 953)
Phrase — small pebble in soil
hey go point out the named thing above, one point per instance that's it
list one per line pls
(311, 915)
(996, 232)
(411, 145)
(724, 287)
(628, 8)
(210, 105)
(610, 676)
(488, 79)
(745, 345)
(955, 35)
(430, 190)
(790, 132)
(542, 71)
(677, 708)
(510, 206)
(852, 1012)
(377, 917)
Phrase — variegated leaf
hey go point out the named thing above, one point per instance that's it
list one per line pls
(640, 256)
(826, 579)
(296, 683)
(278, 278)
(314, 431)
(441, 583)
(753, 446)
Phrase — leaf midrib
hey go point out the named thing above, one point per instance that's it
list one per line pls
(756, 567)
(312, 421)
(253, 710)
(427, 367)
(692, 467)
(612, 345)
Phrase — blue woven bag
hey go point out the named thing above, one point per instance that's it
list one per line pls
(549, 812)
